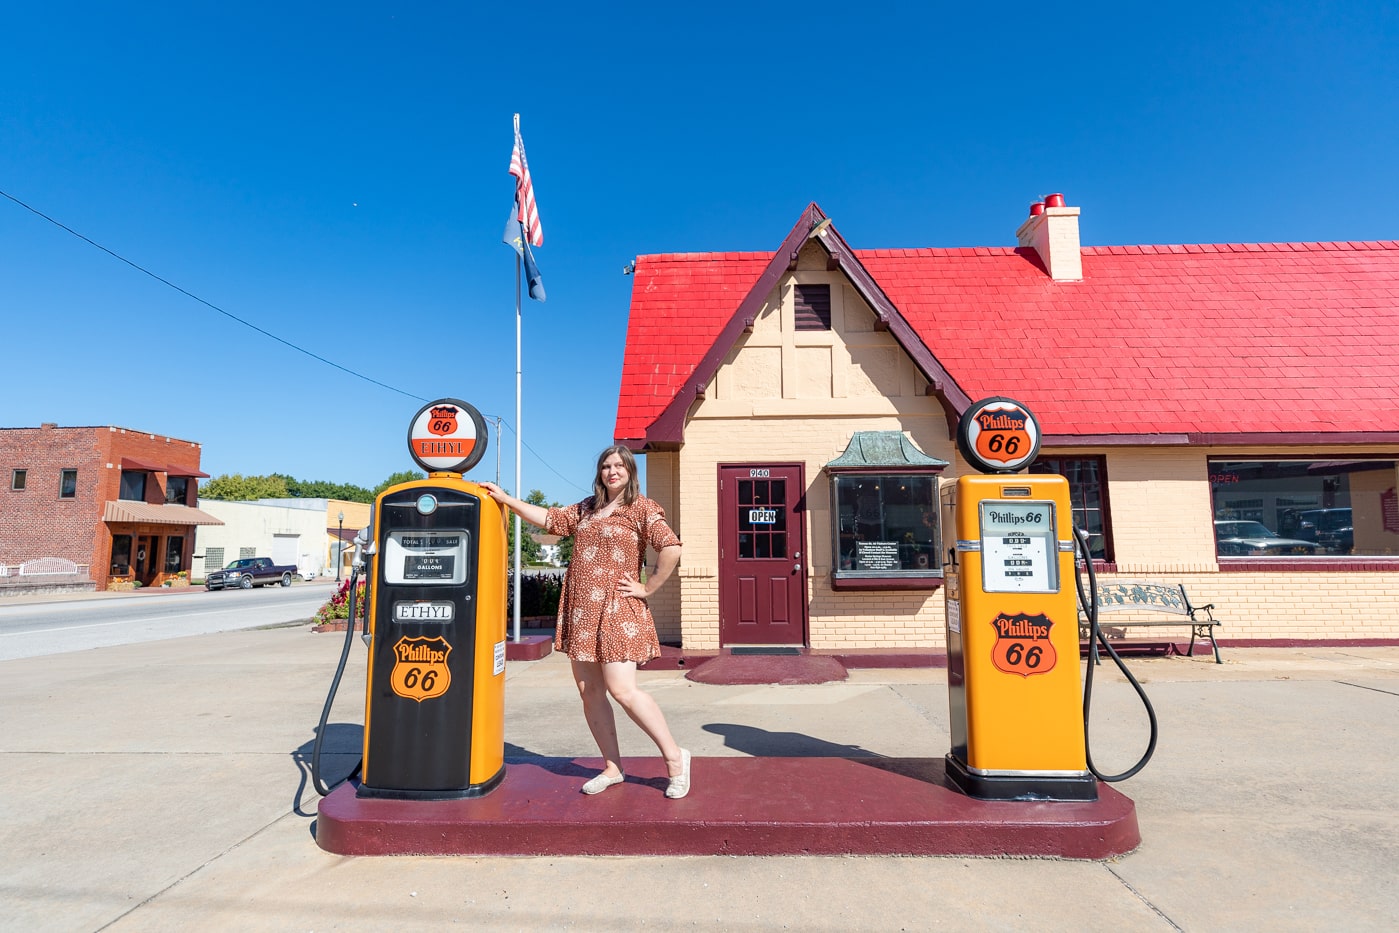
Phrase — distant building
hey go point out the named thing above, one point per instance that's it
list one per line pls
(287, 534)
(117, 503)
(306, 532)
(550, 551)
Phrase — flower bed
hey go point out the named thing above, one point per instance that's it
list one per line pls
(338, 606)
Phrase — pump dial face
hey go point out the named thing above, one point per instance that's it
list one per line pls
(998, 435)
(447, 436)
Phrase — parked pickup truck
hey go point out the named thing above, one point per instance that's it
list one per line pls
(248, 572)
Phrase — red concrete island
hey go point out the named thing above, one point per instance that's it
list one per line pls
(739, 806)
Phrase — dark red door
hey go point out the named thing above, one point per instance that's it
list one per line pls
(762, 554)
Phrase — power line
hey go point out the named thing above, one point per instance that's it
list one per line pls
(265, 333)
(208, 304)
(540, 459)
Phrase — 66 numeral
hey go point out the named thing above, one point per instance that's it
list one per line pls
(412, 677)
(998, 444)
(1018, 656)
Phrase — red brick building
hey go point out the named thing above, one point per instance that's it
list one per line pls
(116, 502)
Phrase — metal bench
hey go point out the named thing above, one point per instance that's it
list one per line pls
(1161, 598)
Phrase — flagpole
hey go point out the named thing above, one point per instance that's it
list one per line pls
(518, 489)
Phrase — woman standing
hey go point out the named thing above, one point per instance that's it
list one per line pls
(604, 624)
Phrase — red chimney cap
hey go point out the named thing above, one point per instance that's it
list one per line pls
(1053, 200)
(1037, 209)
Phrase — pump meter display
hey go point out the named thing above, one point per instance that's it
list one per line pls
(1019, 547)
(427, 558)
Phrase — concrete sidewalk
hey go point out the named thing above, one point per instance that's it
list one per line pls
(164, 786)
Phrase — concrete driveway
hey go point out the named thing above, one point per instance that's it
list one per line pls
(164, 786)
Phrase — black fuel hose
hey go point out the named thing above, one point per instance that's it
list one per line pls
(1095, 635)
(316, 781)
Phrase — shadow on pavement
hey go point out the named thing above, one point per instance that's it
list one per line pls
(343, 745)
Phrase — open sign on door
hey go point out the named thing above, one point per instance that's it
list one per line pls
(762, 516)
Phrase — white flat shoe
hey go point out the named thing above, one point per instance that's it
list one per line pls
(603, 781)
(679, 785)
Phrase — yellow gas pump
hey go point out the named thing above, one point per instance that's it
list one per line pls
(434, 722)
(1014, 690)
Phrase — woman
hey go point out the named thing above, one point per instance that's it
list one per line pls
(604, 624)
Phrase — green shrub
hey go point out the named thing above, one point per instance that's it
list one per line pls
(539, 594)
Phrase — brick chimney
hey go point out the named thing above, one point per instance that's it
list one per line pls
(1052, 231)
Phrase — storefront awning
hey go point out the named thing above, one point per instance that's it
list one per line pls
(886, 450)
(124, 511)
(185, 471)
(131, 463)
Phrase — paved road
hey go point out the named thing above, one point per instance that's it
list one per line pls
(30, 628)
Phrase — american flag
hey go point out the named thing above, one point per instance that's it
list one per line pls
(526, 211)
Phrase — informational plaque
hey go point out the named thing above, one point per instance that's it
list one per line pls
(1019, 550)
(877, 555)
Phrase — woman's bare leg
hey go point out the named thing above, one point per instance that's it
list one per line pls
(598, 712)
(620, 679)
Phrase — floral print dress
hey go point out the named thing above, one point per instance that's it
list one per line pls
(595, 623)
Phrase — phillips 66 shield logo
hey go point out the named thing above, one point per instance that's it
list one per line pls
(443, 420)
(1022, 644)
(420, 668)
(998, 435)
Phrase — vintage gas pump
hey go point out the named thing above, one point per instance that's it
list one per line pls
(1014, 690)
(434, 721)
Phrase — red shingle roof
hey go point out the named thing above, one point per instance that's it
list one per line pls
(1235, 339)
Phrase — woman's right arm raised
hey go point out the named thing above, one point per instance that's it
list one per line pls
(534, 514)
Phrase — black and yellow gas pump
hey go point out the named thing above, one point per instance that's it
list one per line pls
(1014, 690)
(435, 605)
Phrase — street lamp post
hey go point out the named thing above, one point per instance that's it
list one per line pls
(339, 545)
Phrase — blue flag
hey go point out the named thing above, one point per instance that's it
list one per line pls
(515, 236)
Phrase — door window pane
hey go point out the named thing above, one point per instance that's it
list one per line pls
(762, 519)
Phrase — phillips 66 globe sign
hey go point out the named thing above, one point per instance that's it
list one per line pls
(447, 436)
(998, 435)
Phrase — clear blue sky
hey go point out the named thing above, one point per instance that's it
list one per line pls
(336, 175)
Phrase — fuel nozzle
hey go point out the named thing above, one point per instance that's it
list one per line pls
(364, 545)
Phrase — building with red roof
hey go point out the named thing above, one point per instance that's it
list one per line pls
(1225, 414)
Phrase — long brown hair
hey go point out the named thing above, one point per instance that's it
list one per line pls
(631, 492)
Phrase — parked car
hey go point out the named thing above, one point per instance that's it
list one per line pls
(248, 572)
(1332, 529)
(1247, 538)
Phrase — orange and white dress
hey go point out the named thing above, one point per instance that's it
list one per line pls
(595, 622)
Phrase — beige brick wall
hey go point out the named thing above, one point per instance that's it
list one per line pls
(661, 477)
